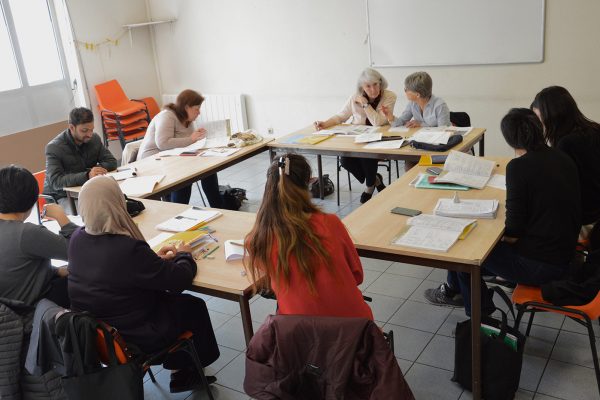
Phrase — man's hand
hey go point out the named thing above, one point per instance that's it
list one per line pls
(56, 212)
(95, 171)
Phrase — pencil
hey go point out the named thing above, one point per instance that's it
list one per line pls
(210, 252)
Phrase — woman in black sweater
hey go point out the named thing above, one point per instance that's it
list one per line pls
(116, 276)
(543, 216)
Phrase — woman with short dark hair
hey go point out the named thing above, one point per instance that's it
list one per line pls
(172, 128)
(25, 248)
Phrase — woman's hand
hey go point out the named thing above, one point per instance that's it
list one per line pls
(198, 134)
(387, 113)
(413, 124)
(319, 125)
(167, 252)
(56, 212)
(184, 248)
(62, 272)
(360, 100)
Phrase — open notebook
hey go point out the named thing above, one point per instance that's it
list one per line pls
(431, 232)
(189, 219)
(467, 170)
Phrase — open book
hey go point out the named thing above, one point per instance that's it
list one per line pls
(431, 232)
(217, 132)
(469, 208)
(140, 186)
(467, 170)
(189, 219)
(234, 250)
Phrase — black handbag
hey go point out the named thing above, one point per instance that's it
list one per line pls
(113, 381)
(134, 207)
(328, 186)
(500, 362)
(452, 141)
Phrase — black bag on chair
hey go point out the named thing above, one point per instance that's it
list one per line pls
(500, 362)
(453, 141)
(113, 381)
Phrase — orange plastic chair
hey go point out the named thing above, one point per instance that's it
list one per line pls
(124, 355)
(111, 97)
(152, 105)
(529, 299)
(40, 177)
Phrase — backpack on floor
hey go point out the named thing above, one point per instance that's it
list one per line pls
(232, 197)
(328, 187)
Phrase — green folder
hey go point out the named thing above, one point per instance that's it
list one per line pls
(423, 183)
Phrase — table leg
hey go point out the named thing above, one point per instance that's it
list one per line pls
(271, 154)
(321, 183)
(72, 203)
(246, 318)
(475, 332)
(482, 145)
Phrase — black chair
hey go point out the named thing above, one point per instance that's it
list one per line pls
(387, 164)
(461, 119)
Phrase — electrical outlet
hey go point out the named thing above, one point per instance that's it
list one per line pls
(270, 130)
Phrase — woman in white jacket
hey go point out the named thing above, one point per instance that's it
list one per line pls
(365, 107)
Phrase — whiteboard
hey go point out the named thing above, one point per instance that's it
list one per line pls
(454, 32)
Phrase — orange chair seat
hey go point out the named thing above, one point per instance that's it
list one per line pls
(129, 128)
(153, 107)
(126, 108)
(523, 294)
(128, 136)
(103, 351)
(109, 121)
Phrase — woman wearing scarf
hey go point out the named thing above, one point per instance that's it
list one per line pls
(116, 276)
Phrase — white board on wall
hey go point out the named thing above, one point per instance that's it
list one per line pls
(455, 32)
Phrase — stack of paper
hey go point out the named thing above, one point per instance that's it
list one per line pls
(234, 250)
(220, 152)
(193, 148)
(431, 137)
(123, 173)
(188, 220)
(467, 208)
(368, 137)
(431, 232)
(140, 186)
(191, 238)
(386, 144)
(467, 170)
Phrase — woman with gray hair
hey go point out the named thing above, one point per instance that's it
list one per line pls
(423, 109)
(366, 108)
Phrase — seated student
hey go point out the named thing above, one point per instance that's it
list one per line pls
(26, 249)
(307, 255)
(365, 108)
(173, 127)
(423, 108)
(543, 216)
(116, 276)
(568, 130)
(74, 156)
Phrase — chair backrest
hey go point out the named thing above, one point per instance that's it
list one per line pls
(460, 119)
(109, 93)
(130, 152)
(40, 177)
(103, 350)
(152, 105)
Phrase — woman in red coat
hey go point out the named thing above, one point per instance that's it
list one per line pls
(307, 256)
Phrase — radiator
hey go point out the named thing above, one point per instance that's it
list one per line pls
(218, 107)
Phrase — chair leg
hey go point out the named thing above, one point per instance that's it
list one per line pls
(590, 328)
(532, 311)
(191, 350)
(389, 168)
(337, 182)
(200, 191)
(397, 170)
(152, 378)
(520, 311)
(349, 184)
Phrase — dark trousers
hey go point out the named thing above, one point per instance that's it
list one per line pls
(210, 186)
(363, 169)
(504, 261)
(189, 313)
(58, 292)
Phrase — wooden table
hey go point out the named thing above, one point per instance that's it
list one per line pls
(372, 228)
(181, 171)
(344, 146)
(215, 277)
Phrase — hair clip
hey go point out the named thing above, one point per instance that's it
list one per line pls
(284, 165)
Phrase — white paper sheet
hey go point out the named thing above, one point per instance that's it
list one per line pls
(217, 133)
(465, 169)
(140, 186)
(368, 137)
(200, 144)
(188, 219)
(123, 174)
(432, 137)
(467, 208)
(234, 250)
(220, 152)
(387, 144)
(497, 181)
(399, 129)
(428, 238)
(439, 222)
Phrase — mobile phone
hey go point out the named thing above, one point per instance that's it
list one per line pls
(405, 211)
(434, 170)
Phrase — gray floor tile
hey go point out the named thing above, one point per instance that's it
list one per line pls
(425, 317)
(408, 343)
(375, 265)
(432, 383)
(223, 306)
(217, 319)
(383, 307)
(531, 372)
(549, 319)
(160, 389)
(219, 393)
(520, 395)
(573, 348)
(261, 308)
(231, 334)
(368, 278)
(438, 275)
(449, 325)
(404, 365)
(573, 326)
(439, 353)
(232, 376)
(569, 382)
(539, 396)
(415, 271)
(540, 341)
(225, 358)
(394, 285)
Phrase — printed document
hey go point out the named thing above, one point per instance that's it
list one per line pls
(189, 219)
(217, 133)
(431, 232)
(467, 208)
(140, 186)
(467, 170)
(387, 144)
(368, 137)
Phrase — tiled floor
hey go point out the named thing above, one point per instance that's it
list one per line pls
(557, 362)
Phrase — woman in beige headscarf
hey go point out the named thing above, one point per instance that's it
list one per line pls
(116, 276)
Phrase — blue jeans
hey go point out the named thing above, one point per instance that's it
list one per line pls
(504, 262)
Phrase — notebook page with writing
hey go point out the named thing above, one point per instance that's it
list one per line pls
(467, 170)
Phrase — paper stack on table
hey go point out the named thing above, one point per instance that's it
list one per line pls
(431, 232)
(189, 219)
(386, 144)
(467, 170)
(368, 137)
(469, 208)
(123, 173)
(140, 186)
(234, 250)
(191, 149)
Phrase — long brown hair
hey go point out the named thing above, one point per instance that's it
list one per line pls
(284, 219)
(189, 98)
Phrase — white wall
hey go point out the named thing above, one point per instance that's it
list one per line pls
(298, 61)
(133, 66)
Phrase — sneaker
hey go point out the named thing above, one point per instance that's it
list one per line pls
(381, 185)
(186, 380)
(444, 296)
(364, 197)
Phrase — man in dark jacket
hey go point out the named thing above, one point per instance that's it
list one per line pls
(74, 156)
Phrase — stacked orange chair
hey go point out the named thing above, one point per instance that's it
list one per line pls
(123, 119)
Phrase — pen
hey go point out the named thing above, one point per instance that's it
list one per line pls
(210, 252)
(236, 243)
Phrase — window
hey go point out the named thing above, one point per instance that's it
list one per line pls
(28, 42)
(9, 75)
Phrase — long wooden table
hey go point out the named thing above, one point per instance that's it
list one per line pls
(344, 146)
(215, 277)
(372, 228)
(181, 171)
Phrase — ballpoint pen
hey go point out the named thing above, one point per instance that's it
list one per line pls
(210, 252)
